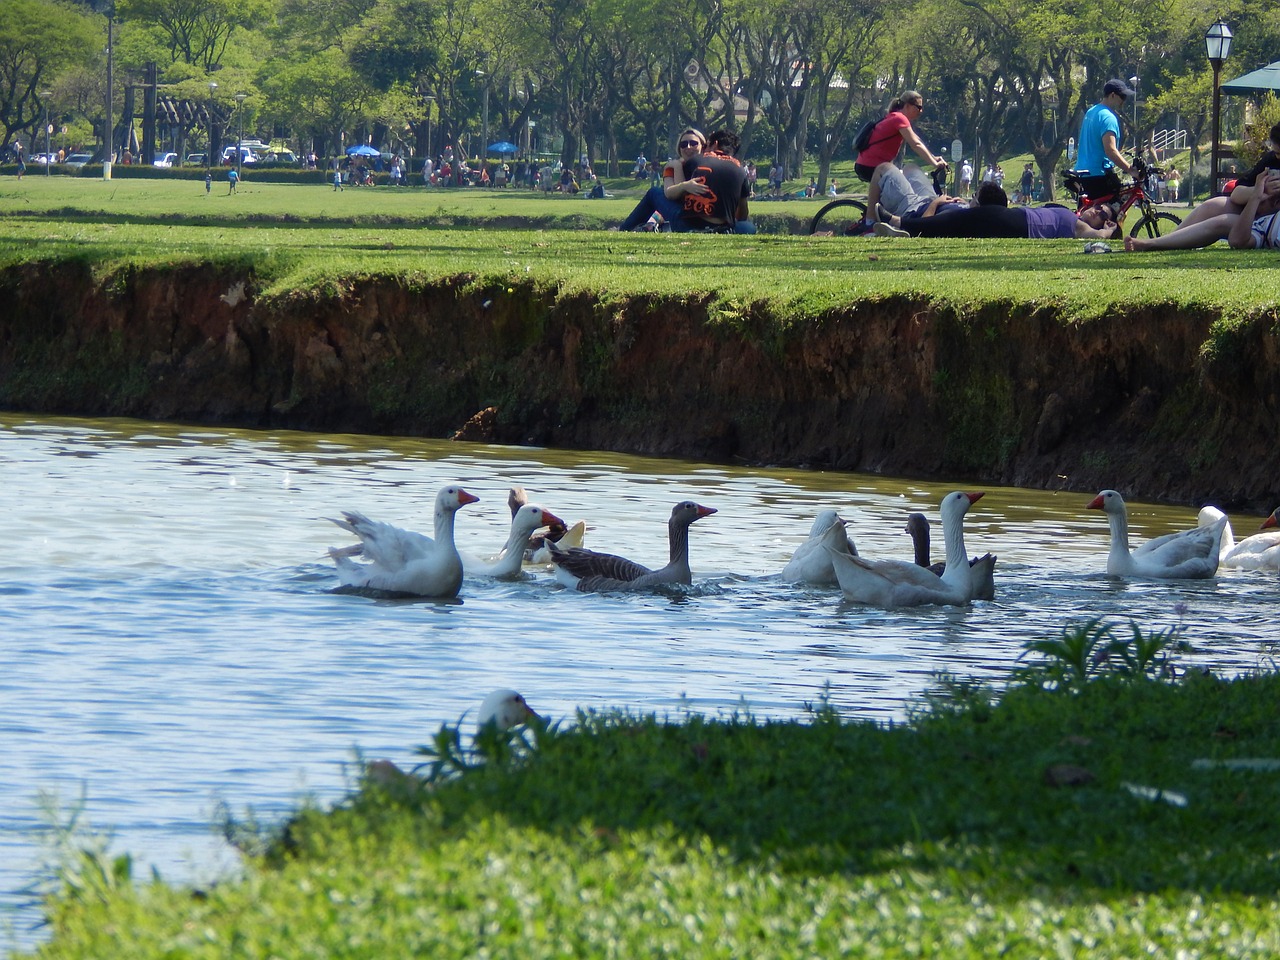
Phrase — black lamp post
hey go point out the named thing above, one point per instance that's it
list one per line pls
(240, 98)
(1217, 41)
(48, 158)
(208, 157)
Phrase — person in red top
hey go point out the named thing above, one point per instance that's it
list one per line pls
(886, 139)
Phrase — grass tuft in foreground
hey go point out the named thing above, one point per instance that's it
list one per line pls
(1095, 806)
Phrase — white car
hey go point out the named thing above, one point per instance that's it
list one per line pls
(78, 160)
(165, 160)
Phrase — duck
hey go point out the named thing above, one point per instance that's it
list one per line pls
(508, 563)
(1261, 551)
(567, 536)
(1207, 517)
(504, 709)
(589, 571)
(984, 567)
(811, 563)
(402, 561)
(897, 583)
(1186, 555)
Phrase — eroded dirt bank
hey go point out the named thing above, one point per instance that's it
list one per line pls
(1144, 402)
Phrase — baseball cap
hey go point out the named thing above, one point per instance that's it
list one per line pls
(1117, 86)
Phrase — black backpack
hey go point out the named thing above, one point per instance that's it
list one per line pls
(862, 140)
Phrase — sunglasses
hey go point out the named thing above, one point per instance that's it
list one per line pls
(690, 143)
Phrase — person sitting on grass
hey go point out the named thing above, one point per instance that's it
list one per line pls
(993, 219)
(1256, 226)
(1235, 200)
(700, 191)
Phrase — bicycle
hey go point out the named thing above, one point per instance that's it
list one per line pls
(1152, 223)
(842, 217)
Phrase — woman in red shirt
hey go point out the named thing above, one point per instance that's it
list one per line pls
(886, 139)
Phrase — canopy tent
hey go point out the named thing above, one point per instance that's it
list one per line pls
(362, 150)
(503, 146)
(1262, 80)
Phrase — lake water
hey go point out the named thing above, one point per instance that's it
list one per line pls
(171, 641)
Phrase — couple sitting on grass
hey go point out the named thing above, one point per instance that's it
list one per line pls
(1245, 218)
(993, 218)
(704, 188)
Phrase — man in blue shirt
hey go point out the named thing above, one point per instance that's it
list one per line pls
(1099, 142)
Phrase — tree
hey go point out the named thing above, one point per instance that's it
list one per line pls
(197, 31)
(38, 40)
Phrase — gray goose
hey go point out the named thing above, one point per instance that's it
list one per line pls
(591, 572)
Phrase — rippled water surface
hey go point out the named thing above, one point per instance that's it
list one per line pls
(171, 641)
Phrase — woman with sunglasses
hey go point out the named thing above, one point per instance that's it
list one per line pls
(677, 182)
(887, 139)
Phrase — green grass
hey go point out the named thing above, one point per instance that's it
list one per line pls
(304, 238)
(628, 836)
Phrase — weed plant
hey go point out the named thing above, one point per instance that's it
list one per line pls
(1123, 813)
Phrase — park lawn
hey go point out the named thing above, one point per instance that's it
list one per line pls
(1121, 817)
(301, 238)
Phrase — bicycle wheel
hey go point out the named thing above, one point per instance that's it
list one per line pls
(840, 217)
(1155, 224)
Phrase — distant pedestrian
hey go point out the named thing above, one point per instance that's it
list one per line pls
(233, 178)
(337, 178)
(22, 163)
(1028, 181)
(208, 181)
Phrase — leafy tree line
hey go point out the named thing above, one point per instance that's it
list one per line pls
(610, 79)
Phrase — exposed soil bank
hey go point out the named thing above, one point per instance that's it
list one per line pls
(1137, 401)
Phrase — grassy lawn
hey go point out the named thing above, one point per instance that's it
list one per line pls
(301, 237)
(1124, 815)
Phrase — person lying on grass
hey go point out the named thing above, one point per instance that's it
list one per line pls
(1254, 227)
(996, 220)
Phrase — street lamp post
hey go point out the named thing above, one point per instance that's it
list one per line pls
(429, 101)
(48, 161)
(240, 133)
(208, 157)
(1217, 41)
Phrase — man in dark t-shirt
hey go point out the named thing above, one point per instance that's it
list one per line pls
(726, 194)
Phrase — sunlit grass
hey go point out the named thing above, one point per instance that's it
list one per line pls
(297, 236)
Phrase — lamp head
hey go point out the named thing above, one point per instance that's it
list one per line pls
(1217, 41)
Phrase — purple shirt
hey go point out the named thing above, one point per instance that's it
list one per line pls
(1050, 223)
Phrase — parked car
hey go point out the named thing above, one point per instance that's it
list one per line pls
(165, 160)
(246, 155)
(78, 160)
(44, 158)
(280, 158)
(194, 160)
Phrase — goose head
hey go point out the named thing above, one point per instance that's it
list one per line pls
(505, 709)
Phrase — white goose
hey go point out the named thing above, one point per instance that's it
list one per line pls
(505, 709)
(811, 563)
(509, 561)
(402, 561)
(984, 567)
(1186, 555)
(897, 583)
(1258, 552)
(536, 552)
(589, 571)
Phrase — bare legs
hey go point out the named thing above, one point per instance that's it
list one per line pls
(1190, 234)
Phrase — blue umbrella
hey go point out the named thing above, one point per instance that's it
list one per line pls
(503, 146)
(362, 150)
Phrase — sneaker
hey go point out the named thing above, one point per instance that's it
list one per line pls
(883, 229)
(883, 214)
